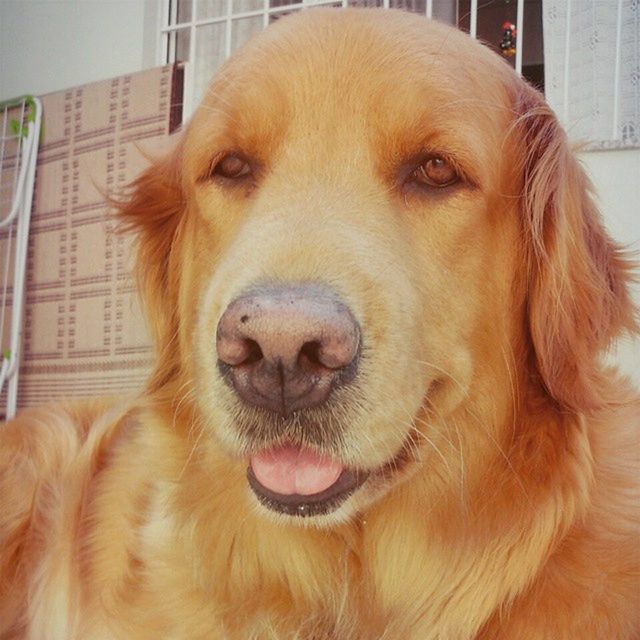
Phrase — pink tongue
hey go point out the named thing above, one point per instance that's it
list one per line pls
(289, 470)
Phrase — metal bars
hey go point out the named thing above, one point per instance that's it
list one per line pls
(520, 36)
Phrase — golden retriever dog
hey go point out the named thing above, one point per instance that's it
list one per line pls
(380, 291)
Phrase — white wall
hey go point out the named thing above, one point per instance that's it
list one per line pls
(49, 45)
(616, 176)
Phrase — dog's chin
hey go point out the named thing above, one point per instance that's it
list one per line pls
(338, 514)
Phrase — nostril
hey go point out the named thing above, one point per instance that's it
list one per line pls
(235, 351)
(310, 353)
(254, 352)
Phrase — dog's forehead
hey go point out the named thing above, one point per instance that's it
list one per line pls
(333, 73)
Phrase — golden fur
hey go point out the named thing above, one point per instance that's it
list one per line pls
(503, 501)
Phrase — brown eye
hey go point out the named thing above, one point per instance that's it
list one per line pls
(232, 167)
(435, 172)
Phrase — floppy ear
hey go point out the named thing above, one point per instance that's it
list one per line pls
(578, 298)
(152, 209)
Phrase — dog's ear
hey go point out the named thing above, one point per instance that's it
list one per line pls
(578, 298)
(152, 209)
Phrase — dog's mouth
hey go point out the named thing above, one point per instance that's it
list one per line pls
(297, 481)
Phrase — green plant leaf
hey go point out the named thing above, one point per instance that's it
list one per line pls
(22, 128)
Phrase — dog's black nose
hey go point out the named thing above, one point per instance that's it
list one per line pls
(286, 348)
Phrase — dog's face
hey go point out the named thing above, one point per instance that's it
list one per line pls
(346, 262)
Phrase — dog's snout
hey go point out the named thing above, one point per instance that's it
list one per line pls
(285, 348)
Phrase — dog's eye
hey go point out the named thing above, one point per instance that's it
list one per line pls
(232, 167)
(436, 172)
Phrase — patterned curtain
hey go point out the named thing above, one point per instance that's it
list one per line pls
(592, 69)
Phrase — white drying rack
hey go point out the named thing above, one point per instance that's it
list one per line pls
(19, 138)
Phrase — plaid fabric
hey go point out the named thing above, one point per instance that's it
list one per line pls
(84, 334)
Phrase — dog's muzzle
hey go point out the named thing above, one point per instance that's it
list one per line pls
(285, 349)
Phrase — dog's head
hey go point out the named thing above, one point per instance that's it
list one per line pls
(370, 227)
